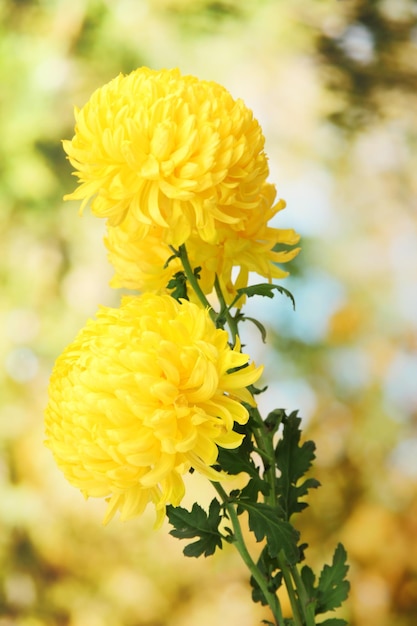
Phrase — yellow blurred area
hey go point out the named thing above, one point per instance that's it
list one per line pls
(333, 85)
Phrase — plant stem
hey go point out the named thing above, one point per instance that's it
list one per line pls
(182, 254)
(239, 542)
(307, 606)
(265, 443)
(286, 572)
(225, 310)
(303, 610)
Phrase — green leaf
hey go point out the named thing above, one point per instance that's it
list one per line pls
(171, 258)
(293, 460)
(265, 521)
(233, 463)
(333, 588)
(308, 577)
(274, 419)
(196, 523)
(250, 491)
(239, 460)
(258, 325)
(178, 286)
(265, 289)
(178, 283)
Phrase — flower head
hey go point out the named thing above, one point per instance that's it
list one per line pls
(140, 261)
(174, 151)
(144, 393)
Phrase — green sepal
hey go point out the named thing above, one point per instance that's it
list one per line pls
(197, 523)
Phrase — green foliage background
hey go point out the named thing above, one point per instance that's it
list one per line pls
(333, 85)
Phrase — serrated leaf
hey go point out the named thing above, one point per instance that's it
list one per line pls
(333, 588)
(231, 462)
(293, 460)
(266, 522)
(178, 283)
(196, 523)
(265, 289)
(239, 460)
(296, 506)
(258, 325)
(333, 621)
(252, 489)
(178, 286)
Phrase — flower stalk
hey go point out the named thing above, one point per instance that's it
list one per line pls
(193, 280)
(239, 542)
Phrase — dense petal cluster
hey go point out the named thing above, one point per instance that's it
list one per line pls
(144, 393)
(172, 150)
(171, 159)
(140, 261)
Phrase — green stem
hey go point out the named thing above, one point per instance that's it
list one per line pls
(286, 572)
(302, 608)
(225, 311)
(239, 542)
(182, 254)
(265, 443)
(307, 606)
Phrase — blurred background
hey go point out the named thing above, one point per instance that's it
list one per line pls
(333, 83)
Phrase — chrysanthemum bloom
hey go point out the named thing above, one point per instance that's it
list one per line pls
(139, 261)
(144, 393)
(173, 150)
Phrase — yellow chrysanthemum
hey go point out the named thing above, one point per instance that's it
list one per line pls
(139, 260)
(144, 393)
(173, 150)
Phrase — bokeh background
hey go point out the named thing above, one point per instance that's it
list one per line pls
(333, 83)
